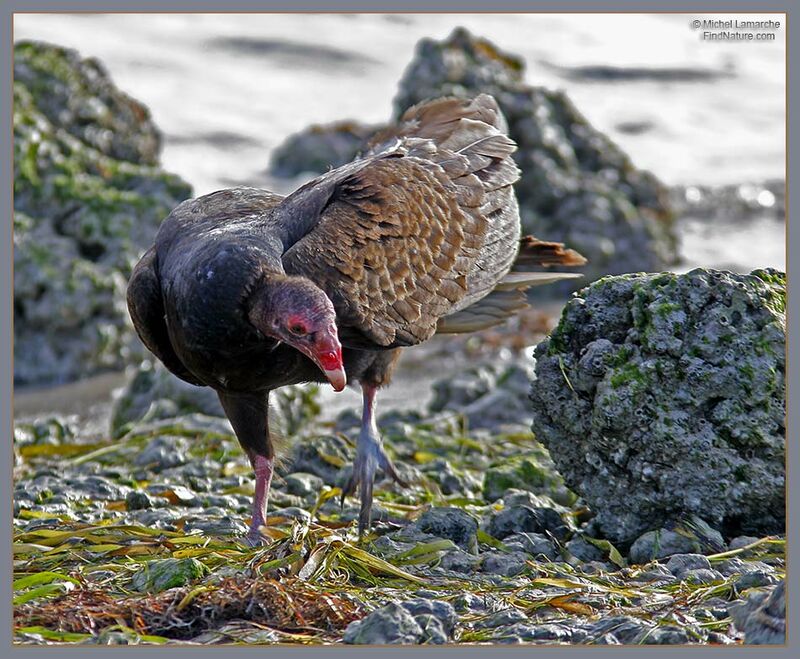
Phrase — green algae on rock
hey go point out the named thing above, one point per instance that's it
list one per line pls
(162, 574)
(88, 197)
(662, 396)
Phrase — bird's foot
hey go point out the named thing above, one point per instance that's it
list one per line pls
(370, 455)
(254, 538)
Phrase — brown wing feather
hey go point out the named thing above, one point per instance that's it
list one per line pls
(399, 240)
(535, 252)
(393, 250)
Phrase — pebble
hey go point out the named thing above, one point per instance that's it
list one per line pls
(655, 573)
(501, 619)
(507, 564)
(441, 471)
(138, 500)
(536, 544)
(323, 456)
(451, 523)
(665, 635)
(302, 484)
(160, 518)
(547, 632)
(162, 453)
(469, 602)
(94, 487)
(659, 544)
(442, 611)
(391, 624)
(625, 628)
(756, 579)
(522, 518)
(736, 565)
(678, 564)
(742, 541)
(584, 550)
(458, 560)
(702, 576)
(432, 631)
(597, 567)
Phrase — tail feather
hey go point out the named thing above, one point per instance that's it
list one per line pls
(492, 310)
(508, 297)
(535, 252)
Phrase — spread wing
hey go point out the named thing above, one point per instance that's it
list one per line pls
(420, 228)
(146, 308)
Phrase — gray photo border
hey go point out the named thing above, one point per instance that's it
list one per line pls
(9, 7)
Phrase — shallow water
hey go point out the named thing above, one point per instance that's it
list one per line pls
(227, 88)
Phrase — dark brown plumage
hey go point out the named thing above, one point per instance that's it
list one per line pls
(246, 291)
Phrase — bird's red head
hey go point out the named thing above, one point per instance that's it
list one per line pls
(296, 311)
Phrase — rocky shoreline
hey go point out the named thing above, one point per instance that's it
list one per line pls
(487, 545)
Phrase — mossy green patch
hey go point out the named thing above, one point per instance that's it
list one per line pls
(155, 576)
(88, 198)
(776, 283)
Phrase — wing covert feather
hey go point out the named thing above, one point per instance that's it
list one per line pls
(426, 224)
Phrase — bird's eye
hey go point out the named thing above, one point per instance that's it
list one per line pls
(298, 330)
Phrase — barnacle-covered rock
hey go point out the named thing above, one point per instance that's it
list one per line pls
(88, 197)
(662, 397)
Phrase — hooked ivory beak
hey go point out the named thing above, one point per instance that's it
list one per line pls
(327, 354)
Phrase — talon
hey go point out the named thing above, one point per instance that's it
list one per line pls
(255, 539)
(388, 467)
(369, 456)
(348, 489)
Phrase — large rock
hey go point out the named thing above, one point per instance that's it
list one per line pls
(390, 624)
(662, 397)
(88, 198)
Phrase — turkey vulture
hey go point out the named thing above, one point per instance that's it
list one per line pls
(245, 291)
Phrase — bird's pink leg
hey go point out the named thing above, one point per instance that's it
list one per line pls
(369, 457)
(263, 469)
